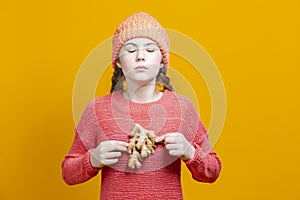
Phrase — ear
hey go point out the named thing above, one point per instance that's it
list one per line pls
(162, 65)
(118, 64)
(162, 62)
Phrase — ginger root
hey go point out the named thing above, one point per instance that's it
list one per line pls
(141, 145)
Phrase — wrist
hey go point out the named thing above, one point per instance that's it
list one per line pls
(95, 162)
(190, 153)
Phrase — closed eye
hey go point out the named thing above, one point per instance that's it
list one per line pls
(131, 50)
(150, 50)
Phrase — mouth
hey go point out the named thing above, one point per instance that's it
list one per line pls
(140, 68)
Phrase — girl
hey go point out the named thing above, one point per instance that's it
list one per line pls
(140, 59)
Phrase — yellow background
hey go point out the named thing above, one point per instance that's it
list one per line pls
(255, 45)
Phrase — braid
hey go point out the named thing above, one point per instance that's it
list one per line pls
(117, 80)
(163, 79)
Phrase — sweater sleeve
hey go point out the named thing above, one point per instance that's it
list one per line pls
(76, 167)
(205, 166)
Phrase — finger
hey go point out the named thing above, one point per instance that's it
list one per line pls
(172, 146)
(115, 145)
(175, 138)
(175, 153)
(120, 145)
(109, 161)
(170, 140)
(111, 155)
(160, 138)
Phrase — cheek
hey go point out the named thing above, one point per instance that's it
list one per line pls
(126, 60)
(157, 58)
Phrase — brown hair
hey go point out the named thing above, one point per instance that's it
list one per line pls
(118, 78)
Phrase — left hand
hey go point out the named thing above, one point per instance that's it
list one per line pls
(177, 145)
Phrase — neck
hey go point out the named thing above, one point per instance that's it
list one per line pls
(141, 93)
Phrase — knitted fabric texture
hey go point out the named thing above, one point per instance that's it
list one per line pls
(157, 178)
(141, 25)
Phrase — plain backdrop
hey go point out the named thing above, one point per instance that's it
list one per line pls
(255, 45)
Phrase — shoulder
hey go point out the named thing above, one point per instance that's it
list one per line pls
(103, 99)
(189, 115)
(182, 100)
(97, 104)
(106, 100)
(187, 107)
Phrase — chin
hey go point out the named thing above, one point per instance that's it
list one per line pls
(142, 79)
(142, 82)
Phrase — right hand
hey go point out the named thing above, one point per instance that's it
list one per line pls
(107, 153)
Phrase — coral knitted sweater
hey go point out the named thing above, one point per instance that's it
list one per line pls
(112, 117)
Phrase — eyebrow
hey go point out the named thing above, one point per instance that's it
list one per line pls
(147, 44)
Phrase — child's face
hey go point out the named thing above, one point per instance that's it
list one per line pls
(140, 60)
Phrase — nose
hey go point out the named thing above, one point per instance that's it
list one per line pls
(140, 55)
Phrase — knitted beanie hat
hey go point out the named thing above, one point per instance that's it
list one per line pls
(141, 25)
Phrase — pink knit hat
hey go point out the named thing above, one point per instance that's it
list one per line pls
(141, 25)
